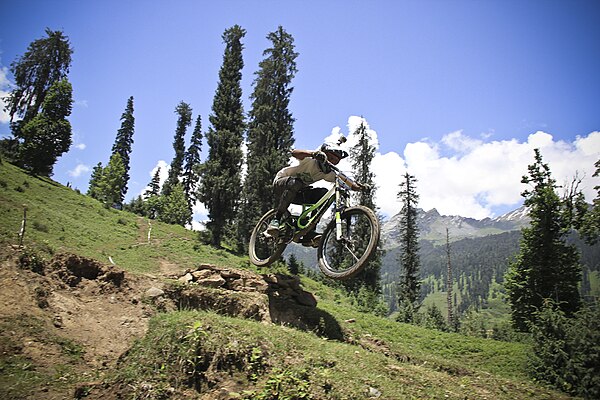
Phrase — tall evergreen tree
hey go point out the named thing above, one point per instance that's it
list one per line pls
(362, 155)
(270, 130)
(152, 196)
(93, 186)
(184, 111)
(409, 287)
(122, 145)
(192, 165)
(590, 226)
(48, 135)
(220, 187)
(45, 62)
(154, 185)
(546, 266)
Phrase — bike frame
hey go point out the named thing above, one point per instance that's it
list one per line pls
(322, 205)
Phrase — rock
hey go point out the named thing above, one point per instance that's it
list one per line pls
(187, 278)
(154, 292)
(208, 278)
(374, 393)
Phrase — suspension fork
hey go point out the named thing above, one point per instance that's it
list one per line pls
(339, 207)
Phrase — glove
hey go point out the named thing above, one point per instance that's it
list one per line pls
(363, 187)
(319, 156)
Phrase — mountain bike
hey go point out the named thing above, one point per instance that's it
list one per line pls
(346, 245)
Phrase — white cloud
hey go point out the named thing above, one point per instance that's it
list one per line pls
(80, 146)
(79, 170)
(163, 174)
(5, 86)
(474, 178)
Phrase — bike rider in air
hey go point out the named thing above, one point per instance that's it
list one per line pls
(292, 184)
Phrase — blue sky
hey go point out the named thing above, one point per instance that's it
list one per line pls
(456, 92)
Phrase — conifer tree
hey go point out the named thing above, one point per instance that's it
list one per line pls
(46, 61)
(270, 130)
(48, 135)
(122, 145)
(152, 195)
(362, 155)
(546, 266)
(590, 226)
(95, 178)
(192, 164)
(293, 265)
(154, 185)
(184, 112)
(409, 287)
(220, 186)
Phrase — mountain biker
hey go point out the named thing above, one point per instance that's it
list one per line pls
(292, 184)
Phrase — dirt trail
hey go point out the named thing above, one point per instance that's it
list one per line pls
(64, 322)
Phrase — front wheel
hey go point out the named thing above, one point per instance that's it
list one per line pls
(264, 250)
(344, 258)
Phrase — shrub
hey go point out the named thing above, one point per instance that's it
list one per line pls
(567, 350)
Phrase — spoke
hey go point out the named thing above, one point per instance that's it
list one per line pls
(351, 252)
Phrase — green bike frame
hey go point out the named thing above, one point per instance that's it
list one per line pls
(305, 220)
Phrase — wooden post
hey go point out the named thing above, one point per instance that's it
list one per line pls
(23, 223)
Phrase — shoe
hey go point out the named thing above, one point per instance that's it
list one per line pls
(311, 239)
(273, 229)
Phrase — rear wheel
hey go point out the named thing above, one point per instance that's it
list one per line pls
(344, 258)
(264, 250)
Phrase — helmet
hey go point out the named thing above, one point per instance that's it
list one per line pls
(335, 150)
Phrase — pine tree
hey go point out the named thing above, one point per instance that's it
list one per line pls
(184, 111)
(192, 164)
(590, 226)
(270, 130)
(45, 62)
(95, 178)
(546, 266)
(152, 196)
(122, 145)
(362, 155)
(220, 187)
(293, 265)
(48, 135)
(154, 185)
(409, 287)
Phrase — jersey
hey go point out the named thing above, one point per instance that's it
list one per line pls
(307, 170)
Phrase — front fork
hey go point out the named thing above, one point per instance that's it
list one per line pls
(340, 205)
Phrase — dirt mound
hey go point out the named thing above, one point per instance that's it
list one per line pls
(67, 321)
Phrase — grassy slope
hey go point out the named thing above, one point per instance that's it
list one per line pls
(399, 361)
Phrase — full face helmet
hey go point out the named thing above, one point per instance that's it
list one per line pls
(335, 150)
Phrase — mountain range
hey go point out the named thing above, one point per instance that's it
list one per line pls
(432, 226)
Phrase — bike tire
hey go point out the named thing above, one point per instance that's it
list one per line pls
(332, 257)
(261, 252)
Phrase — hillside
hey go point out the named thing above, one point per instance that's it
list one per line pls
(175, 319)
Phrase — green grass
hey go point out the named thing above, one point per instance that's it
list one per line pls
(61, 220)
(190, 349)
